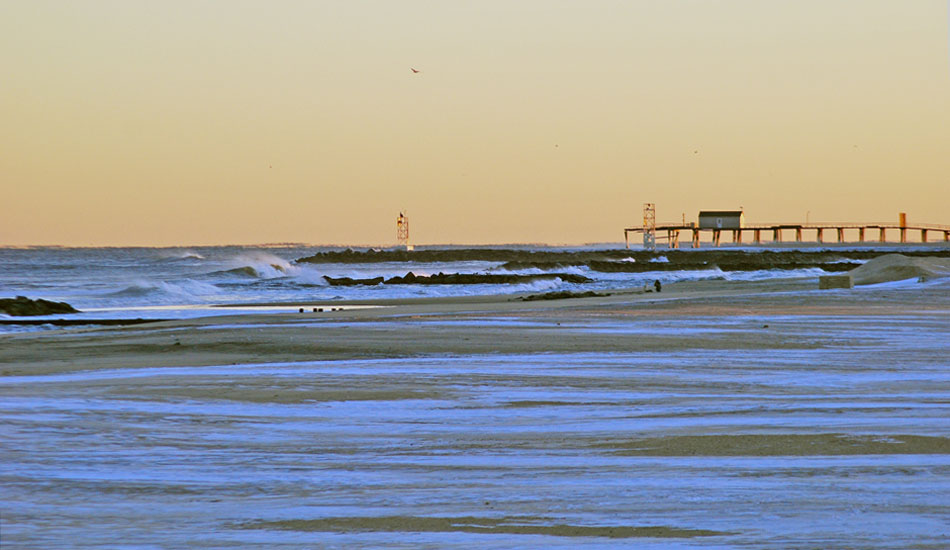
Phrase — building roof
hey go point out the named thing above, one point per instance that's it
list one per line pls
(721, 213)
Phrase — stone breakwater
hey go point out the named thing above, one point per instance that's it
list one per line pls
(23, 306)
(624, 261)
(456, 279)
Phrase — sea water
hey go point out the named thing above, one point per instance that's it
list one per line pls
(171, 283)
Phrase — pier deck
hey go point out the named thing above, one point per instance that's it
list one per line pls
(673, 232)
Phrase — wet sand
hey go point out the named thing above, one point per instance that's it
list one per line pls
(420, 327)
(713, 414)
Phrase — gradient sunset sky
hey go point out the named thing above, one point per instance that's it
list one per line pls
(232, 122)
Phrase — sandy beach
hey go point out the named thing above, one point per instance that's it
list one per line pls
(438, 326)
(713, 414)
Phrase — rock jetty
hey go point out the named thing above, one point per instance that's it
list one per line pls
(22, 306)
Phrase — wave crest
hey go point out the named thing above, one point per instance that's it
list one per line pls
(259, 265)
(187, 291)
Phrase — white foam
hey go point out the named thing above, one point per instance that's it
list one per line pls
(162, 292)
(264, 264)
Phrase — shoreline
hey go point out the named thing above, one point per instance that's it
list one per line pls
(477, 325)
(450, 304)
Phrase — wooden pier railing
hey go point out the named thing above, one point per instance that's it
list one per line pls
(863, 230)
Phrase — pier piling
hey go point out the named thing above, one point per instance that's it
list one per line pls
(673, 232)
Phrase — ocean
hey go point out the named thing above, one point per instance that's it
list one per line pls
(175, 283)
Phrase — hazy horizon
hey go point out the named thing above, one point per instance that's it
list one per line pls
(134, 123)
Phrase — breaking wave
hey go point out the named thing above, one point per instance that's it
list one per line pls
(540, 285)
(264, 265)
(182, 255)
(160, 292)
(257, 265)
(583, 271)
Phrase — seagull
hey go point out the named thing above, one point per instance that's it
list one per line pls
(413, 70)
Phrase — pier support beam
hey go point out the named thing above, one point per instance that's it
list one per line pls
(673, 233)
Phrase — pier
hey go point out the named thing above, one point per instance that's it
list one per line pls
(864, 231)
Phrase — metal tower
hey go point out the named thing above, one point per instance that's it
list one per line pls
(649, 226)
(402, 230)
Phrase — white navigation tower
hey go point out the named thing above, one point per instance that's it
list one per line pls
(649, 226)
(402, 231)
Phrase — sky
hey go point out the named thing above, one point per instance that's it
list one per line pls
(149, 123)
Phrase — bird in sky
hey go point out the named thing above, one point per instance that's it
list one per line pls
(413, 70)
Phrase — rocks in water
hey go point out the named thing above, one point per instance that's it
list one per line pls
(411, 278)
(23, 306)
(653, 261)
(435, 255)
(347, 281)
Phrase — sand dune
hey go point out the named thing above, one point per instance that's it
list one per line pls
(897, 267)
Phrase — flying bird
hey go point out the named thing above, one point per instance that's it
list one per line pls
(413, 70)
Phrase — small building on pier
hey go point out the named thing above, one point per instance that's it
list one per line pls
(721, 219)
